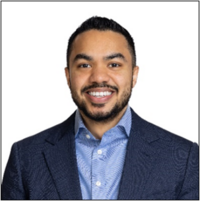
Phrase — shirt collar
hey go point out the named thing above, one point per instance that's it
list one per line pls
(125, 122)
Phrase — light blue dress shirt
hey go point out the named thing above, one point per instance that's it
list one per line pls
(100, 162)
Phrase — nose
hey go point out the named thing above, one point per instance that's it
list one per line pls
(99, 74)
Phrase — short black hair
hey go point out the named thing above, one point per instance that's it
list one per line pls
(102, 24)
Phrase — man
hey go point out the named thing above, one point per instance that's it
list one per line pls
(104, 150)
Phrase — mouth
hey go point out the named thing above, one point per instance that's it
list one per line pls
(99, 95)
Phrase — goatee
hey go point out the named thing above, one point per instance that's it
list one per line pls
(102, 116)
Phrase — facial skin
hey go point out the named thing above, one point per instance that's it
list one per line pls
(101, 78)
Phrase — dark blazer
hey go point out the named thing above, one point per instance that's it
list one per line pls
(158, 165)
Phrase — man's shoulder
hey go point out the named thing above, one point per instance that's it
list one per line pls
(169, 137)
(173, 144)
(51, 134)
(152, 132)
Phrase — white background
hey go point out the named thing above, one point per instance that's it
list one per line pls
(35, 92)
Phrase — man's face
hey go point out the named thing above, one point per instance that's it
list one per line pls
(101, 75)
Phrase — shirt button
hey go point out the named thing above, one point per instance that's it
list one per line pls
(98, 183)
(99, 151)
(88, 136)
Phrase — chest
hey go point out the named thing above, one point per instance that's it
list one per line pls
(100, 167)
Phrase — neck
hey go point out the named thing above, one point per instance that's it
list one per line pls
(98, 128)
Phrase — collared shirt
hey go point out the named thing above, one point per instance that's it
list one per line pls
(100, 162)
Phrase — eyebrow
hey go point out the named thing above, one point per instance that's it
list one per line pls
(109, 57)
(82, 56)
(115, 55)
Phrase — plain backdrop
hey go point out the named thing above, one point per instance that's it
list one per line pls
(35, 95)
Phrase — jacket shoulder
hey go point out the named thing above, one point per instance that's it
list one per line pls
(168, 137)
(51, 134)
(151, 132)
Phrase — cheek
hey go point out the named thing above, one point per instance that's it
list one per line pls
(77, 81)
(123, 80)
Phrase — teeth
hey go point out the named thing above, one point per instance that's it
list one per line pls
(100, 94)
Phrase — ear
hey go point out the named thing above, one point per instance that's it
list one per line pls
(135, 75)
(67, 75)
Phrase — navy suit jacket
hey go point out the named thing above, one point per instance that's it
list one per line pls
(158, 165)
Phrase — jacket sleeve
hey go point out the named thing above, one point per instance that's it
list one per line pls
(12, 186)
(190, 188)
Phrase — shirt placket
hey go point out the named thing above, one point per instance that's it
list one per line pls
(97, 173)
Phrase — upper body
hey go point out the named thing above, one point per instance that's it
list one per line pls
(158, 165)
(144, 161)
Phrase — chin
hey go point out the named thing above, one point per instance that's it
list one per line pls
(102, 113)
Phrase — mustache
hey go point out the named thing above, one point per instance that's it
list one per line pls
(98, 85)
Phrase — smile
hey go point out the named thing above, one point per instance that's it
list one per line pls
(100, 94)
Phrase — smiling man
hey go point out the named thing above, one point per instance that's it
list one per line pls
(104, 150)
(101, 74)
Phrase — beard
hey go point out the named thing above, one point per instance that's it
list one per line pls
(103, 116)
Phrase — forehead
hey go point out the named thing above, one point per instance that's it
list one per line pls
(100, 43)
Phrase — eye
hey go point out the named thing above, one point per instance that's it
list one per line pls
(114, 65)
(84, 65)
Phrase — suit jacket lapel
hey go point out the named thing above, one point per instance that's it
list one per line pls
(60, 157)
(139, 160)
